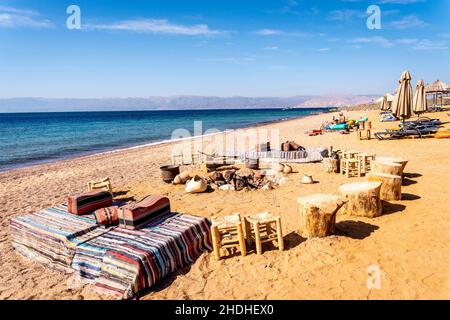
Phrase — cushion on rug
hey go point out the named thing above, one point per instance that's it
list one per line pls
(88, 202)
(136, 215)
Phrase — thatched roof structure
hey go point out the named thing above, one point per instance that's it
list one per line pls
(438, 87)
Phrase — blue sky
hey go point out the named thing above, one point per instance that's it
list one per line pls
(143, 48)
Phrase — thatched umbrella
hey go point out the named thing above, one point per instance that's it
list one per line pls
(403, 102)
(420, 104)
(438, 88)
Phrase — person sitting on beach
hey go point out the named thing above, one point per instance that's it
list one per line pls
(342, 119)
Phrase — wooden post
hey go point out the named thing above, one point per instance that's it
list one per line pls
(280, 234)
(391, 189)
(215, 235)
(257, 238)
(241, 239)
(363, 199)
(318, 214)
(387, 167)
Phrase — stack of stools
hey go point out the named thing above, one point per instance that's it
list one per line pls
(262, 228)
(350, 165)
(366, 129)
(365, 160)
(228, 233)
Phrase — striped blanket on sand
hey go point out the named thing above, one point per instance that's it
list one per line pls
(125, 262)
(51, 236)
(116, 261)
(305, 156)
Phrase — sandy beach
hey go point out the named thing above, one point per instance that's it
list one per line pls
(409, 243)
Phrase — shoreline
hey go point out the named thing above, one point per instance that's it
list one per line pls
(155, 143)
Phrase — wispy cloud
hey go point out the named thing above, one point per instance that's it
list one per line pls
(379, 41)
(12, 17)
(431, 45)
(271, 48)
(277, 32)
(346, 14)
(408, 22)
(228, 60)
(156, 26)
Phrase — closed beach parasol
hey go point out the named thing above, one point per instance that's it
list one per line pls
(403, 102)
(420, 104)
(384, 104)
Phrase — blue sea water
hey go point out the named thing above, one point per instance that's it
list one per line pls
(31, 138)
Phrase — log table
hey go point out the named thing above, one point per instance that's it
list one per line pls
(403, 162)
(391, 188)
(392, 168)
(363, 199)
(318, 214)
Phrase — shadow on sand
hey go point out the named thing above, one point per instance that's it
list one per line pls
(355, 229)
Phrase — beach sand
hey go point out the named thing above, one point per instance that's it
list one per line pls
(410, 243)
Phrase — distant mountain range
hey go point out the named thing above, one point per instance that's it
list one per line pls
(178, 103)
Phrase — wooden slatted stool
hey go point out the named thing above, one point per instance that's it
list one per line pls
(349, 154)
(350, 168)
(364, 134)
(177, 159)
(227, 232)
(365, 161)
(264, 227)
(103, 184)
(196, 158)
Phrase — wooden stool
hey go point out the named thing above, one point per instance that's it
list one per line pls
(177, 159)
(196, 158)
(349, 155)
(366, 136)
(350, 168)
(266, 228)
(104, 184)
(227, 232)
(363, 199)
(318, 214)
(365, 161)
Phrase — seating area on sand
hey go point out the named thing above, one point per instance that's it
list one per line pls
(116, 261)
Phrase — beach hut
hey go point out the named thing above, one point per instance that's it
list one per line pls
(438, 89)
(420, 104)
(403, 102)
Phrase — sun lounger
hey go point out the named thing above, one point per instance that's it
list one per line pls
(405, 133)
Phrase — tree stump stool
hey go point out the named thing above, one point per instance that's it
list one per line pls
(365, 161)
(391, 189)
(227, 232)
(392, 168)
(264, 227)
(331, 165)
(403, 162)
(363, 199)
(318, 214)
(350, 168)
